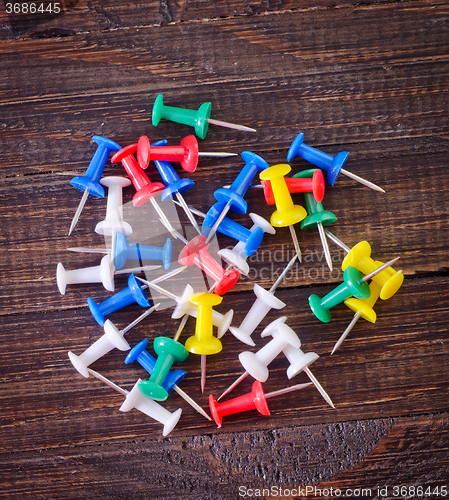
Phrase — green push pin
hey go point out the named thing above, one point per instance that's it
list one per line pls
(199, 119)
(354, 284)
(317, 217)
(169, 351)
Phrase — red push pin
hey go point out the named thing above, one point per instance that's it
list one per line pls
(186, 153)
(145, 189)
(195, 252)
(314, 185)
(254, 400)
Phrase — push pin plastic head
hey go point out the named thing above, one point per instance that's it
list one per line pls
(360, 258)
(168, 352)
(140, 354)
(256, 364)
(136, 399)
(204, 342)
(199, 119)
(195, 252)
(333, 165)
(251, 238)
(133, 293)
(125, 251)
(287, 214)
(352, 286)
(145, 189)
(113, 222)
(313, 185)
(112, 338)
(185, 306)
(237, 256)
(89, 182)
(95, 274)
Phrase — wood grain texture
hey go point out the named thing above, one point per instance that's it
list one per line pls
(80, 16)
(369, 79)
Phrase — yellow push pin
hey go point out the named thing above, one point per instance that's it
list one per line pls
(363, 308)
(204, 342)
(360, 258)
(287, 213)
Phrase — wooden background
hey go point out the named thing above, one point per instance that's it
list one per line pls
(367, 77)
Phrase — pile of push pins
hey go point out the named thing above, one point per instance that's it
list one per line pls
(364, 281)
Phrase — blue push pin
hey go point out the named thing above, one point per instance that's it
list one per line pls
(175, 185)
(133, 293)
(89, 182)
(125, 251)
(333, 165)
(148, 361)
(252, 239)
(233, 196)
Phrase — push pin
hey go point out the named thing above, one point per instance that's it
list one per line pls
(204, 342)
(145, 189)
(135, 399)
(171, 379)
(185, 307)
(360, 258)
(264, 302)
(333, 165)
(317, 217)
(362, 308)
(354, 284)
(125, 251)
(168, 352)
(287, 213)
(250, 238)
(88, 183)
(254, 400)
(186, 153)
(299, 360)
(195, 252)
(176, 186)
(236, 257)
(233, 196)
(199, 119)
(112, 338)
(133, 293)
(256, 364)
(314, 186)
(94, 274)
(113, 222)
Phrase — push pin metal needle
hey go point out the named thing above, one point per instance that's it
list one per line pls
(333, 165)
(200, 118)
(89, 182)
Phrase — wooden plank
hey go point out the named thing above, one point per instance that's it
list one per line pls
(369, 454)
(36, 212)
(396, 367)
(80, 16)
(320, 72)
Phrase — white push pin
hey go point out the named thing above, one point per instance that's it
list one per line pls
(95, 274)
(114, 223)
(236, 257)
(112, 337)
(263, 304)
(109, 340)
(299, 360)
(138, 400)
